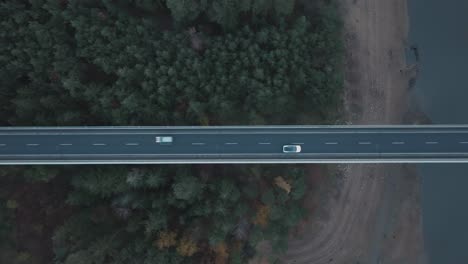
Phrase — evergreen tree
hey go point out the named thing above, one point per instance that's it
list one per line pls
(108, 63)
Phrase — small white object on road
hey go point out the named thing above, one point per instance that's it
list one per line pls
(164, 139)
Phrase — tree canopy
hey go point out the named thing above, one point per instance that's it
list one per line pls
(166, 62)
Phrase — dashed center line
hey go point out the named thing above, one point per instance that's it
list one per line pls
(198, 143)
(32, 145)
(398, 143)
(65, 144)
(432, 142)
(297, 143)
(331, 143)
(2, 145)
(463, 142)
(231, 143)
(364, 143)
(99, 144)
(264, 143)
(132, 144)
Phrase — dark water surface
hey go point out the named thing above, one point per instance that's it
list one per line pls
(440, 31)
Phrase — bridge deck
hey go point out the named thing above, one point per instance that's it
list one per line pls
(320, 144)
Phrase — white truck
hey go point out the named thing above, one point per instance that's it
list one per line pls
(164, 140)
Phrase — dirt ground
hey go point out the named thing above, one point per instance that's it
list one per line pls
(373, 215)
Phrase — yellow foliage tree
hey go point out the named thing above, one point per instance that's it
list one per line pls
(222, 254)
(283, 184)
(204, 120)
(261, 218)
(187, 247)
(166, 239)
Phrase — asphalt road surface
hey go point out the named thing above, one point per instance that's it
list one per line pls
(254, 144)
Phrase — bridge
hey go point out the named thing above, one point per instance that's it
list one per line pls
(234, 144)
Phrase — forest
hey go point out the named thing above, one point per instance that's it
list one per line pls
(161, 62)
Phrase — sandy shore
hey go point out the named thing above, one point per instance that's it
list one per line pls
(374, 215)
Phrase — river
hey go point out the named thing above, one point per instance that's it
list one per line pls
(440, 31)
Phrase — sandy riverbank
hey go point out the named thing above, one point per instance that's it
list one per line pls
(374, 215)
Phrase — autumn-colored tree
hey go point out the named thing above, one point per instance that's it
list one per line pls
(281, 183)
(166, 239)
(262, 215)
(187, 247)
(221, 253)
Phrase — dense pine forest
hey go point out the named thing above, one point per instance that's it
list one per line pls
(160, 62)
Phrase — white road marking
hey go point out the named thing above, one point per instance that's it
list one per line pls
(432, 142)
(297, 143)
(364, 143)
(32, 145)
(398, 143)
(132, 144)
(99, 144)
(331, 143)
(65, 144)
(231, 143)
(198, 143)
(264, 143)
(2, 145)
(463, 142)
